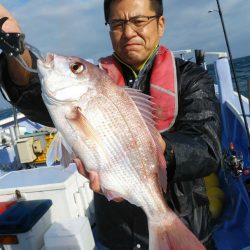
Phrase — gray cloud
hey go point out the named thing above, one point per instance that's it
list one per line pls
(77, 27)
(190, 25)
(70, 27)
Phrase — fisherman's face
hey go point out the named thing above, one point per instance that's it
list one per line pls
(134, 45)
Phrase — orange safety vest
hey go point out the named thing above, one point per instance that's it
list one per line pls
(163, 85)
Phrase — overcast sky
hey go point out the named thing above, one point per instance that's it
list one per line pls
(76, 27)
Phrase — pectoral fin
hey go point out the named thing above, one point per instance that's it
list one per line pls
(60, 150)
(81, 124)
(85, 130)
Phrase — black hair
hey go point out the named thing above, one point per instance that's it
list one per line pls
(156, 5)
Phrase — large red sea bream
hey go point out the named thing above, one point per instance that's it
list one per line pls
(110, 128)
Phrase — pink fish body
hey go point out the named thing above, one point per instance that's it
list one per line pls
(111, 130)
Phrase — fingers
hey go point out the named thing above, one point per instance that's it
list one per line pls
(80, 167)
(120, 199)
(11, 24)
(94, 182)
(162, 144)
(93, 177)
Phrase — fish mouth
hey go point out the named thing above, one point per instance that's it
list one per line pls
(48, 62)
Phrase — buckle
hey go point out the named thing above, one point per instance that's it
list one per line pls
(12, 43)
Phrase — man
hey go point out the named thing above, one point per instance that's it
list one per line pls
(186, 115)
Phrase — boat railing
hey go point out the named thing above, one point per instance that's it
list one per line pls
(9, 121)
(7, 137)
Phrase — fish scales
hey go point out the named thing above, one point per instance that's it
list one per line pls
(114, 119)
(102, 125)
(138, 131)
(124, 114)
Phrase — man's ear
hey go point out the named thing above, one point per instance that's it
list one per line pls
(161, 25)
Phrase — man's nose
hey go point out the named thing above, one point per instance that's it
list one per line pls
(128, 31)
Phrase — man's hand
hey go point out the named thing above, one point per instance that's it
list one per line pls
(92, 176)
(11, 24)
(163, 144)
(17, 73)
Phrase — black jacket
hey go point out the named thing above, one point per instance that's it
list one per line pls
(194, 139)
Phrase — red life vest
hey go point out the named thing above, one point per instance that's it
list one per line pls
(163, 85)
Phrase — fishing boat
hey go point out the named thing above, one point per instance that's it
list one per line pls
(49, 208)
(232, 230)
(40, 207)
(52, 207)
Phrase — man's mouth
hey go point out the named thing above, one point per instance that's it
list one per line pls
(127, 45)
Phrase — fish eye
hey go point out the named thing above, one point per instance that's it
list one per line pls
(77, 67)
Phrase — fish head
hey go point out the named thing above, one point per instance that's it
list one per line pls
(65, 78)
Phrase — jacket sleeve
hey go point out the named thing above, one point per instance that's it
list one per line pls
(193, 144)
(28, 99)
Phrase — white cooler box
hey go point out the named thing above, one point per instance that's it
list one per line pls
(72, 234)
(23, 224)
(68, 190)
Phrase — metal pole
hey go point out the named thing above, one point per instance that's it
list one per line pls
(248, 88)
(234, 74)
(16, 132)
(16, 126)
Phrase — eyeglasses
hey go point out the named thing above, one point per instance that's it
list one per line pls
(137, 23)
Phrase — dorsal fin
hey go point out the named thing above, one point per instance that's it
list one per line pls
(143, 103)
(146, 108)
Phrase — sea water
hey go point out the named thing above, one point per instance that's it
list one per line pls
(242, 68)
(5, 113)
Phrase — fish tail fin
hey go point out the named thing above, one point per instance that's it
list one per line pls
(172, 234)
